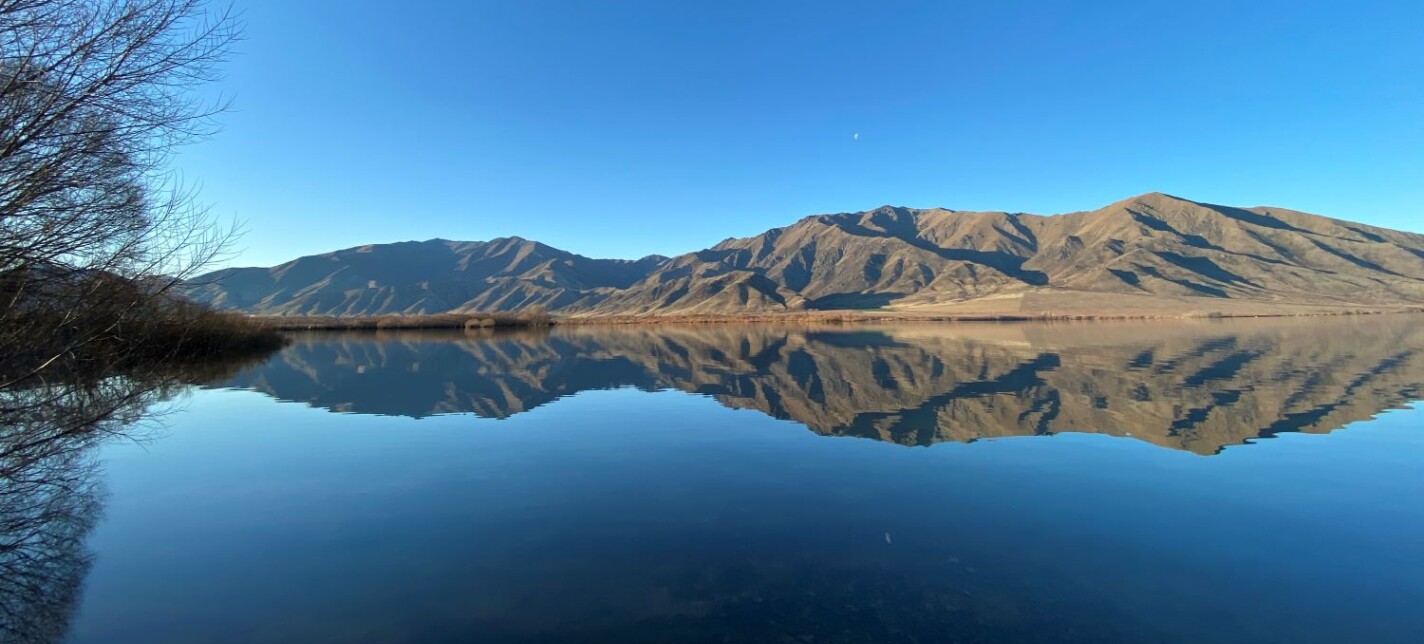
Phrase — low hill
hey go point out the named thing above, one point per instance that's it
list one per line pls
(1153, 253)
(432, 276)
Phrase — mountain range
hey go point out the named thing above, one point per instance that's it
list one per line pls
(1154, 253)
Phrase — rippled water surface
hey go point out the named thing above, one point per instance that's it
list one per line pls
(1147, 482)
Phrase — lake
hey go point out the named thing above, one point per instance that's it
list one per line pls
(1173, 481)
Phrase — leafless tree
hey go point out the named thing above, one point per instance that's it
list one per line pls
(95, 231)
(95, 228)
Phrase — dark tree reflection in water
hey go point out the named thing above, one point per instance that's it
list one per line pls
(47, 507)
(51, 495)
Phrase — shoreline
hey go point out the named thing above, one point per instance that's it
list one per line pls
(453, 321)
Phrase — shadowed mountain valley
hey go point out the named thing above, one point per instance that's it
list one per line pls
(1149, 255)
(1195, 386)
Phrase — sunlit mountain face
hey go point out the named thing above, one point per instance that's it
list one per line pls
(1151, 255)
(1196, 386)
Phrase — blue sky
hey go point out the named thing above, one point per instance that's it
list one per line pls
(620, 129)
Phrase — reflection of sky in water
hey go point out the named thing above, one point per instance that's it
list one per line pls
(636, 514)
(624, 515)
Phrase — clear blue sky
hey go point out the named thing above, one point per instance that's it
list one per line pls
(619, 129)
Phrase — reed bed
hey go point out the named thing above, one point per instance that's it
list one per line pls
(468, 321)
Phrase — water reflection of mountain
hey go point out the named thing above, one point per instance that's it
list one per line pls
(1196, 386)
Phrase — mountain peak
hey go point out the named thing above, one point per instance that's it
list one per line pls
(1156, 199)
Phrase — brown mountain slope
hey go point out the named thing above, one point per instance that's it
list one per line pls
(1135, 255)
(420, 277)
(1150, 245)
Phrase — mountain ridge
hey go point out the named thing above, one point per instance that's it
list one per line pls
(1152, 251)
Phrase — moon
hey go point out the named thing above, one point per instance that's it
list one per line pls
(855, 137)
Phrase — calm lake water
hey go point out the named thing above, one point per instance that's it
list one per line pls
(1114, 482)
